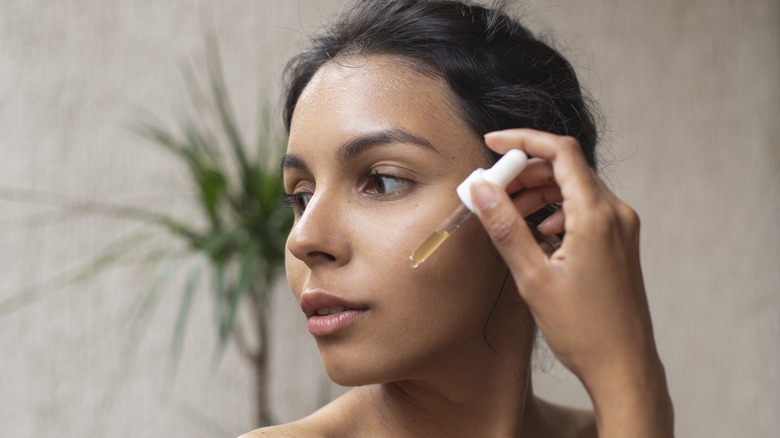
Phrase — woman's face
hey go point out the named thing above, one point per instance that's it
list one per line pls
(375, 153)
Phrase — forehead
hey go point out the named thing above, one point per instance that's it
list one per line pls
(379, 81)
(351, 95)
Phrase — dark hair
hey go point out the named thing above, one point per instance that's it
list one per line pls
(502, 76)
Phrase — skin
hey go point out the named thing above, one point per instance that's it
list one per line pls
(444, 349)
(587, 297)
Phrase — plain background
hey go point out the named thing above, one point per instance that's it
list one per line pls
(689, 90)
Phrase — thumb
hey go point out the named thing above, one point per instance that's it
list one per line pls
(506, 228)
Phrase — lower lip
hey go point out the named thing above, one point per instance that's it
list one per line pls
(323, 325)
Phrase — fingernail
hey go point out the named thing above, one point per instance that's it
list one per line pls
(494, 134)
(483, 195)
(504, 133)
(546, 220)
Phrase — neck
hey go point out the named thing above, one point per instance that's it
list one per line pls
(488, 395)
(480, 388)
(469, 407)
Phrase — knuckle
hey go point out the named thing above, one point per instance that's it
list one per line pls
(630, 217)
(570, 144)
(601, 218)
(606, 218)
(602, 212)
(631, 224)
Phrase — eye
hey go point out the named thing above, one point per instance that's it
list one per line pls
(298, 201)
(382, 184)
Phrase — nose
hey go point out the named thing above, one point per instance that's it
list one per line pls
(319, 237)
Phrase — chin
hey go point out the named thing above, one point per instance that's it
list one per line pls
(352, 374)
(359, 366)
(348, 370)
(349, 379)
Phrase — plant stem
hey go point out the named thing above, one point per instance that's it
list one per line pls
(263, 415)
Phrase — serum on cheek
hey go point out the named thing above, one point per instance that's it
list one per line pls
(504, 171)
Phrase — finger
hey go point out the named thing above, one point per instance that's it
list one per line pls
(553, 224)
(535, 143)
(531, 200)
(508, 231)
(536, 173)
(580, 187)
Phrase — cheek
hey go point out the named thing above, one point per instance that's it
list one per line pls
(388, 234)
(466, 264)
(466, 259)
(457, 285)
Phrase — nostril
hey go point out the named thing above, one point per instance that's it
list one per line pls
(317, 254)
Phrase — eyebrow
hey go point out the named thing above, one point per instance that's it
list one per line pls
(292, 161)
(360, 144)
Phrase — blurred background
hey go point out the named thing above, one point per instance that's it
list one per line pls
(92, 346)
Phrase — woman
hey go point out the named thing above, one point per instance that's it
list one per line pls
(387, 114)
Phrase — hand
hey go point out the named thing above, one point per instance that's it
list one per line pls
(587, 297)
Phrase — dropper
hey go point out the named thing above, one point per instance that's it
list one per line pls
(502, 172)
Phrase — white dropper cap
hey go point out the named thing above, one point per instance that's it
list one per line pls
(504, 171)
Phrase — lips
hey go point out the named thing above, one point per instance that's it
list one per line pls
(330, 310)
(329, 314)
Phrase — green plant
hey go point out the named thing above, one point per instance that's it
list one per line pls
(243, 222)
(235, 242)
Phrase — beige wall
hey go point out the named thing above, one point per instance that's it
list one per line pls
(690, 93)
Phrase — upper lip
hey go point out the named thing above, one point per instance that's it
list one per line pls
(311, 300)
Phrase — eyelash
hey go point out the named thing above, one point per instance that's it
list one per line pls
(298, 201)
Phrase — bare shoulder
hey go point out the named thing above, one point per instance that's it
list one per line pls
(292, 430)
(331, 421)
(316, 425)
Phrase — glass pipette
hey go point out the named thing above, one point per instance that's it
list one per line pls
(502, 172)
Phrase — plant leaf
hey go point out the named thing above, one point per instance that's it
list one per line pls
(223, 107)
(184, 308)
(246, 276)
(107, 257)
